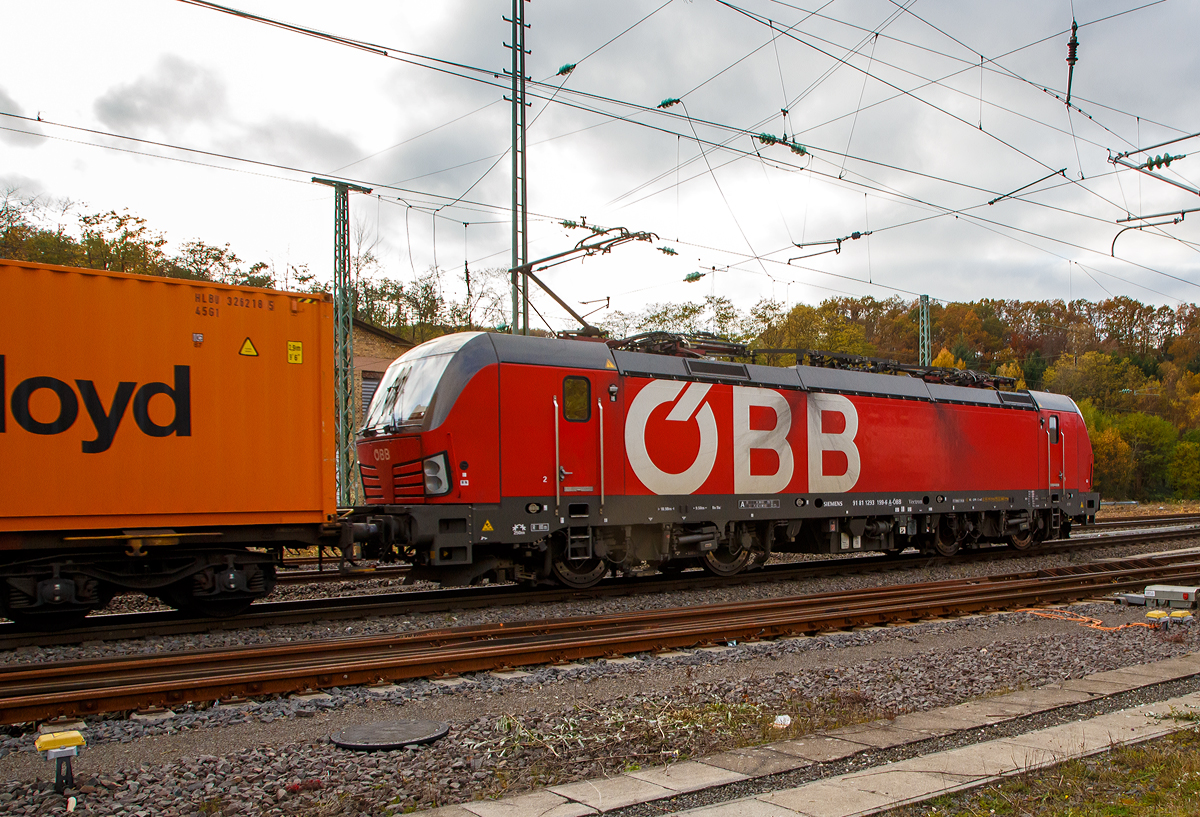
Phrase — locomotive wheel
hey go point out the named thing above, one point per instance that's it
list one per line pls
(721, 562)
(578, 573)
(944, 542)
(1021, 541)
(1032, 537)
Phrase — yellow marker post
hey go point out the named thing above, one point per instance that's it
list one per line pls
(61, 747)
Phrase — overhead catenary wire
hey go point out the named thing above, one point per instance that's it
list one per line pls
(762, 162)
(761, 19)
(380, 49)
(493, 208)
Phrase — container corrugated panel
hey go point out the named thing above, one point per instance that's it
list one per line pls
(132, 401)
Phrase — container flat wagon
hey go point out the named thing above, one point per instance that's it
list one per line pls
(156, 435)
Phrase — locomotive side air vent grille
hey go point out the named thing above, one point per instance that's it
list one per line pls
(714, 368)
(408, 479)
(1016, 398)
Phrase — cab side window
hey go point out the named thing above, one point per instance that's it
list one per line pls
(1054, 429)
(577, 399)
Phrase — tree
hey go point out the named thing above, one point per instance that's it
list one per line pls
(201, 261)
(32, 229)
(1184, 471)
(1113, 469)
(122, 242)
(1109, 382)
(685, 318)
(1011, 369)
(1035, 367)
(945, 360)
(1151, 440)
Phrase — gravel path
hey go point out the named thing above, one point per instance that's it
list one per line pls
(511, 735)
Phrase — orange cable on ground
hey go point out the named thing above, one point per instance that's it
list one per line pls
(1087, 621)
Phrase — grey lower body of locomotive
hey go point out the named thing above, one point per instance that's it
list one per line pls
(522, 537)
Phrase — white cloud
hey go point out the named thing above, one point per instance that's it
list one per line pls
(174, 92)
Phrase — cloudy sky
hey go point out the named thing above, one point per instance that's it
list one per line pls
(907, 136)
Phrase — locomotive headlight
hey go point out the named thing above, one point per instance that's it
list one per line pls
(437, 475)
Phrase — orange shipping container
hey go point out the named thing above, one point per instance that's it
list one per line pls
(129, 401)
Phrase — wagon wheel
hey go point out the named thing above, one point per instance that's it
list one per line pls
(723, 562)
(179, 596)
(48, 621)
(47, 618)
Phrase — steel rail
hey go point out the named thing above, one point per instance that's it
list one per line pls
(139, 625)
(71, 688)
(1129, 521)
(308, 576)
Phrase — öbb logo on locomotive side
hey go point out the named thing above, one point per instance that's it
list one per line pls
(690, 405)
(105, 421)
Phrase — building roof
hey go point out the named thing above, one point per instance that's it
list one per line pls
(371, 328)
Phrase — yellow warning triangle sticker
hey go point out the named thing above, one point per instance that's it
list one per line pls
(608, 364)
(248, 348)
(487, 525)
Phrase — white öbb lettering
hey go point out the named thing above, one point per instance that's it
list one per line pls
(689, 405)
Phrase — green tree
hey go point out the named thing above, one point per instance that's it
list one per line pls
(1034, 367)
(685, 318)
(122, 242)
(1184, 470)
(1113, 468)
(31, 229)
(1151, 442)
(1111, 383)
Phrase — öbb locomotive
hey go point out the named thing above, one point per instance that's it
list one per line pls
(536, 459)
(175, 437)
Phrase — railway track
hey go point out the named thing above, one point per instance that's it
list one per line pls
(141, 625)
(1160, 519)
(73, 688)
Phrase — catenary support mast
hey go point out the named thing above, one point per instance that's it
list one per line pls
(520, 213)
(925, 351)
(343, 338)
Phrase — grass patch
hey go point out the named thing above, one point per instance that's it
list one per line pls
(1156, 779)
(528, 750)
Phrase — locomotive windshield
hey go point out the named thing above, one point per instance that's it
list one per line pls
(406, 392)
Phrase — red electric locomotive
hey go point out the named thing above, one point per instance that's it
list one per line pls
(536, 459)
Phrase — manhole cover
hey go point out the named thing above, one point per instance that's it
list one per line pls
(389, 734)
